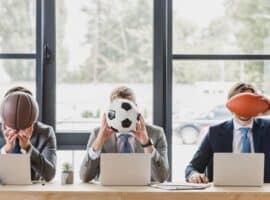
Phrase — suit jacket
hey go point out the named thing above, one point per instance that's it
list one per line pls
(220, 139)
(43, 153)
(159, 164)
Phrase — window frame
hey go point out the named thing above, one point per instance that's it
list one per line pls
(163, 57)
(192, 56)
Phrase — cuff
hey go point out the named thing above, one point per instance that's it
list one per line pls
(93, 155)
(29, 151)
(3, 151)
(153, 154)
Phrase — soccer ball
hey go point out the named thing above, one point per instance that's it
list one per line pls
(122, 116)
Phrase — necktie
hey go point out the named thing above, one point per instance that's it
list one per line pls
(245, 140)
(17, 148)
(125, 146)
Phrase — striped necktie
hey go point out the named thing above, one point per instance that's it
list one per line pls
(125, 146)
(17, 148)
(245, 140)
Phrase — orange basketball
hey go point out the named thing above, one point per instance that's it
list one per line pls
(247, 105)
(19, 110)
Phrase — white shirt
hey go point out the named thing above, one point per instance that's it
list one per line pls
(237, 137)
(3, 151)
(96, 154)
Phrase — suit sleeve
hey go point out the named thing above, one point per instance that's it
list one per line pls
(89, 168)
(201, 158)
(44, 163)
(159, 162)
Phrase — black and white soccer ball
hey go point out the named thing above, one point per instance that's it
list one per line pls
(122, 116)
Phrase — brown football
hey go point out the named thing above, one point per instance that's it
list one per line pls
(19, 110)
(247, 104)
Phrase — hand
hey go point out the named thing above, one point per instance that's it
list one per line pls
(267, 112)
(24, 137)
(104, 133)
(141, 133)
(198, 178)
(10, 136)
(142, 136)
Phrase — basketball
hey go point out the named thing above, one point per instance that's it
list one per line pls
(19, 110)
(247, 105)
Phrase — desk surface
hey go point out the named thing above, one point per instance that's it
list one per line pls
(93, 191)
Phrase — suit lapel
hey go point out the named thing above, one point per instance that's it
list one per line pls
(34, 136)
(228, 136)
(110, 146)
(256, 135)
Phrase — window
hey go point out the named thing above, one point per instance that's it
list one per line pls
(199, 95)
(215, 44)
(221, 26)
(17, 45)
(102, 44)
(17, 26)
(17, 72)
(110, 45)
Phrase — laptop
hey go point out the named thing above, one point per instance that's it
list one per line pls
(15, 169)
(238, 169)
(132, 169)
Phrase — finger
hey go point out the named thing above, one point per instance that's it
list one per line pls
(9, 138)
(104, 118)
(13, 138)
(9, 133)
(6, 133)
(198, 179)
(204, 179)
(139, 126)
(104, 121)
(24, 135)
(22, 139)
(142, 120)
(12, 131)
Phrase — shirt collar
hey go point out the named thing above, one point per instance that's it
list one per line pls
(237, 126)
(118, 134)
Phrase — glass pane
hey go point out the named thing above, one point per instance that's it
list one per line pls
(17, 73)
(110, 45)
(199, 94)
(17, 26)
(221, 26)
(75, 158)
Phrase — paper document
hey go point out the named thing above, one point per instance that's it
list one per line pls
(180, 186)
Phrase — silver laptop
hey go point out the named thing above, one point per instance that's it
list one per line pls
(125, 169)
(15, 169)
(238, 169)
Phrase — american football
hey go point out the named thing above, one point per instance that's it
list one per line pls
(247, 105)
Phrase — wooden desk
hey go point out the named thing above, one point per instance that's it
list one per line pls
(93, 192)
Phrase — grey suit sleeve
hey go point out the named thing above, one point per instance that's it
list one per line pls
(89, 168)
(159, 163)
(201, 158)
(44, 163)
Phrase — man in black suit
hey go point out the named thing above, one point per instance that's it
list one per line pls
(239, 135)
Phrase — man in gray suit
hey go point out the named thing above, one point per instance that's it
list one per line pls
(38, 140)
(146, 139)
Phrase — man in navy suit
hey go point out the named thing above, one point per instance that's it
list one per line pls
(239, 135)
